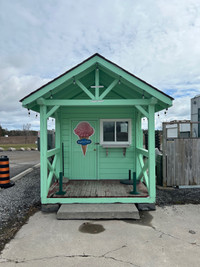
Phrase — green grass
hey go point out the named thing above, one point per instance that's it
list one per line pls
(18, 146)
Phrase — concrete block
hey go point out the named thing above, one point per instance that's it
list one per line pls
(97, 211)
(146, 206)
(50, 207)
(11, 149)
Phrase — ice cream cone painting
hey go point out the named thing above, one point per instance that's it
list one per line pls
(84, 130)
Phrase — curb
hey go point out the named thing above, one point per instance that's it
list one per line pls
(20, 175)
(16, 149)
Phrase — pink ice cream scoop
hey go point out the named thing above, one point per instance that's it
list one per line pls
(84, 130)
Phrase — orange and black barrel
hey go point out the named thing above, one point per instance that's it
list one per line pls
(5, 173)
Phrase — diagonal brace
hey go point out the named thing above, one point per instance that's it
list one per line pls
(52, 170)
(51, 111)
(144, 168)
(82, 86)
(110, 87)
(143, 172)
(143, 111)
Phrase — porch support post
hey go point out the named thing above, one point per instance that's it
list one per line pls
(96, 83)
(138, 142)
(58, 143)
(43, 153)
(151, 148)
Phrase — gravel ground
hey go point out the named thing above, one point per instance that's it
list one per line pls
(173, 196)
(19, 202)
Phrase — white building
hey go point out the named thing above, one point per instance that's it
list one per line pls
(195, 115)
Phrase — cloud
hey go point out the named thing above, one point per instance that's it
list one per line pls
(156, 40)
(14, 86)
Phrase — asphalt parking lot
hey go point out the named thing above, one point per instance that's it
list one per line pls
(21, 160)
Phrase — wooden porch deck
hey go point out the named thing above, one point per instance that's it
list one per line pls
(96, 189)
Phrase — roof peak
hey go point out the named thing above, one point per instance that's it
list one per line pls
(88, 59)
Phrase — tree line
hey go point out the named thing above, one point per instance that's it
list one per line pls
(25, 131)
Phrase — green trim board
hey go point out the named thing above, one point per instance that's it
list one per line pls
(151, 151)
(115, 102)
(99, 200)
(43, 152)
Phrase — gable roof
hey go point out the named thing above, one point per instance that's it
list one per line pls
(133, 86)
(100, 56)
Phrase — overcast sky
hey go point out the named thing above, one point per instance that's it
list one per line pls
(157, 40)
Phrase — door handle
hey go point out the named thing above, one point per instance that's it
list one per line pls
(95, 149)
(96, 143)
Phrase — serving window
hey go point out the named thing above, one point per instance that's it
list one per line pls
(115, 132)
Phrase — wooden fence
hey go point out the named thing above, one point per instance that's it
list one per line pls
(181, 162)
(181, 154)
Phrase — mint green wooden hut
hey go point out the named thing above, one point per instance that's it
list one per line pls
(98, 107)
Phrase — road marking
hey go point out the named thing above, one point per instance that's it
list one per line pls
(20, 175)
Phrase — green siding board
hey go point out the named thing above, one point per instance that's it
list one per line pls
(112, 172)
(115, 153)
(66, 86)
(68, 92)
(107, 161)
(107, 79)
(88, 80)
(116, 166)
(112, 166)
(112, 176)
(112, 95)
(96, 112)
(69, 83)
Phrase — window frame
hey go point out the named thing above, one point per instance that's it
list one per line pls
(116, 143)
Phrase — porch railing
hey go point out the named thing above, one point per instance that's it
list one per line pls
(52, 166)
(141, 152)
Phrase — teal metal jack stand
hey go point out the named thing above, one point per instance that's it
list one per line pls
(134, 192)
(60, 192)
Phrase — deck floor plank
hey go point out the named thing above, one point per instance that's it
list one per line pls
(95, 188)
(69, 190)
